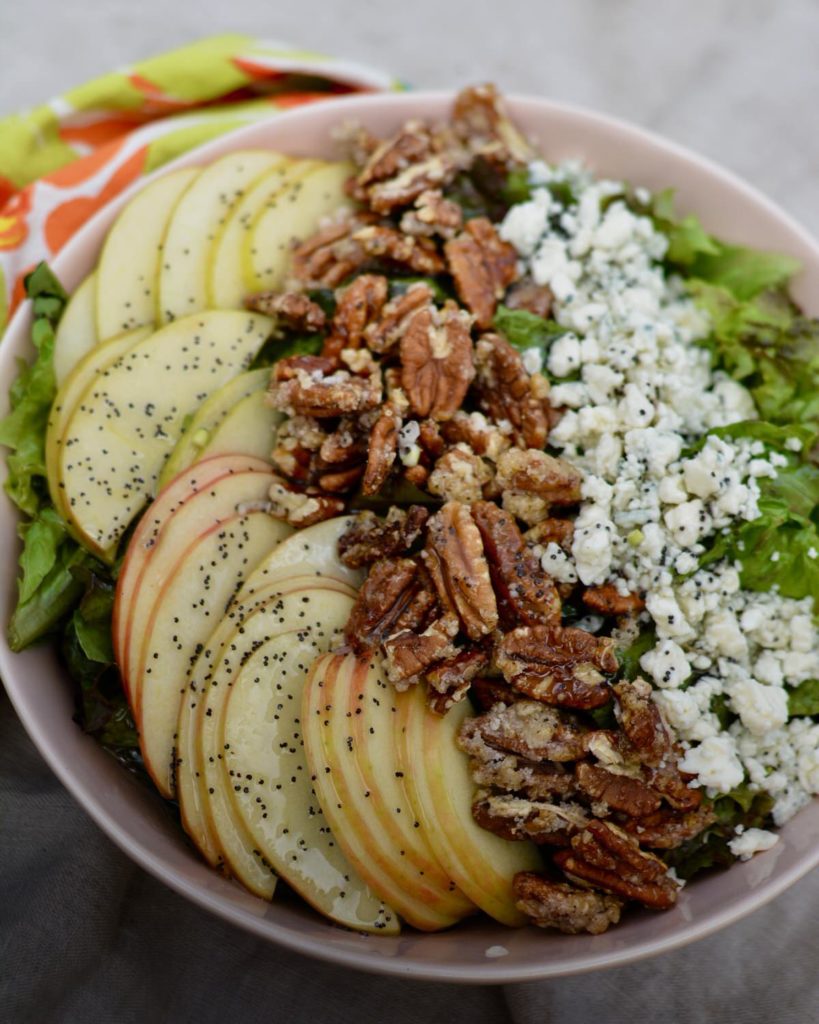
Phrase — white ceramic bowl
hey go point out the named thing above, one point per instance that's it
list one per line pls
(137, 821)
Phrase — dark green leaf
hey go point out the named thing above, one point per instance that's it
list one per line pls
(517, 188)
(51, 602)
(277, 348)
(399, 285)
(629, 657)
(41, 542)
(803, 700)
(744, 272)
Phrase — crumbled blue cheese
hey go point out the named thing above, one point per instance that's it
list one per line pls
(747, 842)
(715, 763)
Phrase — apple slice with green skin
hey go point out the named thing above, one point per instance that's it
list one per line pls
(250, 428)
(305, 611)
(77, 330)
(75, 385)
(223, 500)
(208, 417)
(190, 784)
(441, 791)
(289, 217)
(179, 624)
(267, 777)
(347, 717)
(146, 536)
(128, 269)
(130, 417)
(226, 286)
(195, 223)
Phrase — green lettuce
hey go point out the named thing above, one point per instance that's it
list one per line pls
(803, 700)
(527, 330)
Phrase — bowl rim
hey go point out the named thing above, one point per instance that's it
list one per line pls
(491, 971)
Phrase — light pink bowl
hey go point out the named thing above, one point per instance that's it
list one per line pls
(137, 821)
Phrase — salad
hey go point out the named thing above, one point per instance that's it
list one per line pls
(436, 528)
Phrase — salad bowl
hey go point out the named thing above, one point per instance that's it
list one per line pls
(140, 823)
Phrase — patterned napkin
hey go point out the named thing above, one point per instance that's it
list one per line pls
(64, 160)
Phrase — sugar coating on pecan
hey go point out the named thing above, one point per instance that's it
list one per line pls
(508, 394)
(387, 331)
(301, 509)
(384, 594)
(515, 817)
(668, 829)
(408, 654)
(357, 306)
(616, 792)
(482, 267)
(551, 531)
(553, 479)
(532, 730)
(436, 360)
(510, 773)
(369, 538)
(564, 907)
(642, 722)
(459, 475)
(295, 309)
(477, 432)
(307, 385)
(431, 215)
(480, 120)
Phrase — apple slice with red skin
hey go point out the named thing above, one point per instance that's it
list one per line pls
(148, 530)
(441, 791)
(190, 783)
(193, 597)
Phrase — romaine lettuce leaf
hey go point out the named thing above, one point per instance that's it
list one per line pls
(687, 238)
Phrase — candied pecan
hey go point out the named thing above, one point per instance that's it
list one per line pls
(434, 172)
(489, 692)
(340, 481)
(673, 787)
(552, 531)
(564, 907)
(482, 267)
(576, 686)
(297, 440)
(554, 480)
(295, 309)
(505, 391)
(359, 305)
(667, 830)
(515, 817)
(607, 600)
(534, 298)
(444, 676)
(525, 594)
(429, 438)
(455, 559)
(474, 430)
(408, 655)
(301, 509)
(406, 251)
(331, 255)
(533, 731)
(370, 538)
(311, 389)
(421, 608)
(359, 142)
(344, 445)
(479, 119)
(499, 770)
(388, 330)
(416, 475)
(382, 450)
(459, 475)
(411, 144)
(432, 215)
(436, 360)
(440, 703)
(641, 721)
(618, 792)
(637, 875)
(559, 645)
(388, 588)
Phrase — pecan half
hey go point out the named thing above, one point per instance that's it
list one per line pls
(673, 787)
(293, 308)
(331, 255)
(525, 594)
(632, 873)
(405, 251)
(482, 267)
(301, 509)
(432, 215)
(455, 559)
(479, 119)
(389, 587)
(358, 306)
(505, 391)
(407, 655)
(395, 317)
(434, 172)
(516, 818)
(298, 439)
(489, 692)
(474, 430)
(642, 722)
(463, 668)
(306, 385)
(617, 792)
(459, 475)
(554, 480)
(370, 538)
(411, 144)
(552, 531)
(667, 830)
(564, 907)
(534, 298)
(533, 731)
(607, 600)
(436, 361)
(382, 450)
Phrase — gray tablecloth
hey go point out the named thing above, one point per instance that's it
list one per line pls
(86, 937)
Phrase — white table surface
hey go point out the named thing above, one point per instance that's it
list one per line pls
(738, 81)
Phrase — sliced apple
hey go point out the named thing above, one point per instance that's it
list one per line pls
(77, 331)
(146, 536)
(285, 614)
(441, 790)
(250, 428)
(226, 285)
(208, 417)
(78, 381)
(290, 216)
(190, 784)
(267, 777)
(195, 223)
(129, 263)
(179, 624)
(347, 725)
(130, 417)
